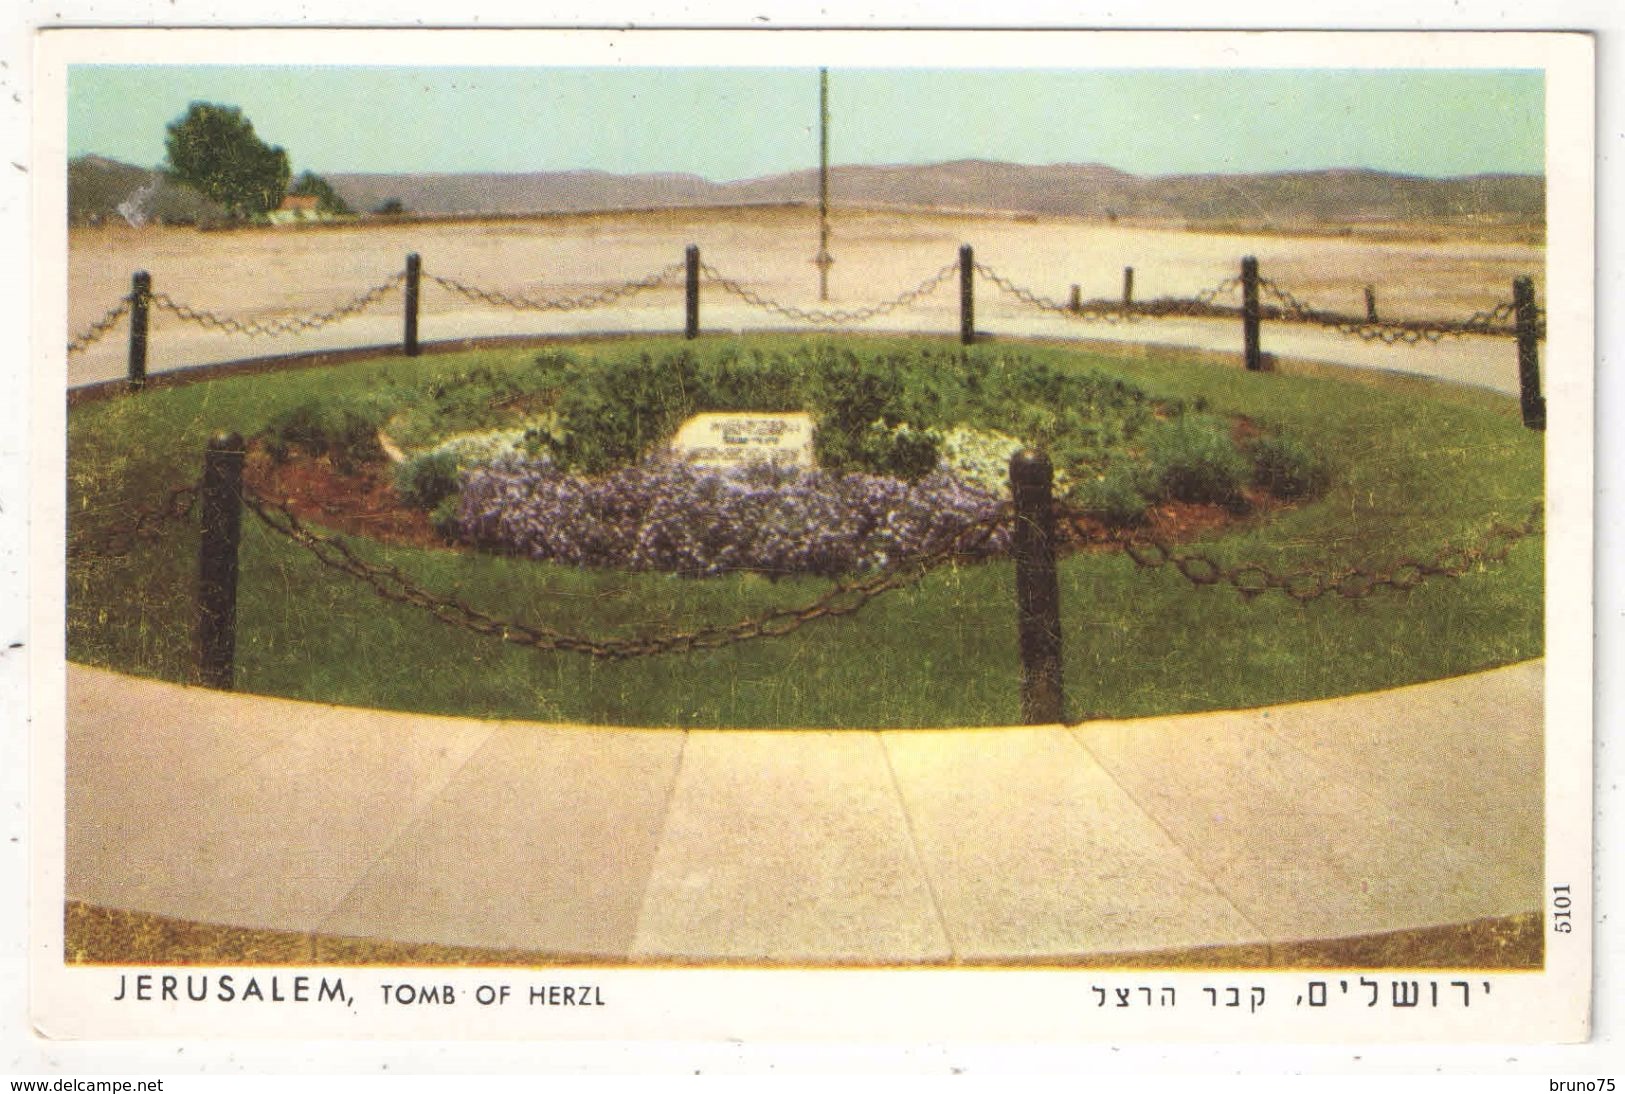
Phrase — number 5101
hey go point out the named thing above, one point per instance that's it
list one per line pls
(1562, 909)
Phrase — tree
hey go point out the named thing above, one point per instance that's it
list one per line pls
(327, 198)
(390, 207)
(214, 150)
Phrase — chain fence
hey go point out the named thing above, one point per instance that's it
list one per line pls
(390, 583)
(1214, 302)
(1289, 308)
(277, 326)
(497, 298)
(845, 597)
(1203, 305)
(1252, 579)
(145, 524)
(831, 316)
(99, 329)
(1090, 311)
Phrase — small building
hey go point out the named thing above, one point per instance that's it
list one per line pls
(296, 208)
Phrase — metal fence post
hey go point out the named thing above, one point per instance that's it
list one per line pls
(221, 504)
(1528, 324)
(140, 296)
(967, 295)
(691, 296)
(1038, 594)
(1128, 286)
(409, 335)
(1250, 314)
(1371, 304)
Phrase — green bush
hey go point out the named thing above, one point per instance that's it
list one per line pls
(426, 480)
(468, 400)
(861, 405)
(886, 413)
(899, 451)
(613, 412)
(1114, 498)
(1192, 458)
(1288, 469)
(444, 518)
(345, 432)
(619, 410)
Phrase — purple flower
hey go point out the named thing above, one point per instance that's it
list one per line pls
(680, 518)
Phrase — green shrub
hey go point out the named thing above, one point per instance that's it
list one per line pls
(614, 413)
(468, 400)
(899, 451)
(426, 480)
(444, 518)
(1288, 469)
(859, 403)
(882, 413)
(1114, 498)
(1192, 458)
(345, 432)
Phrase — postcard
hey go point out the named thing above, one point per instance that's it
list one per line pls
(907, 535)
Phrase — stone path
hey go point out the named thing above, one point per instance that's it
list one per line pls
(1408, 808)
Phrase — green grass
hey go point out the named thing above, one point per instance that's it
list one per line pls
(1414, 465)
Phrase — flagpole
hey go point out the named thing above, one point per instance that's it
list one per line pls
(824, 259)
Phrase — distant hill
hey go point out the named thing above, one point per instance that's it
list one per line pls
(1065, 189)
(96, 187)
(545, 191)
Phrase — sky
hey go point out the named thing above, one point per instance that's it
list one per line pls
(734, 123)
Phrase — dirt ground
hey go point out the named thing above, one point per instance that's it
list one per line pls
(258, 273)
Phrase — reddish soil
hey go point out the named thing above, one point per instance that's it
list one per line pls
(1170, 522)
(1244, 429)
(364, 503)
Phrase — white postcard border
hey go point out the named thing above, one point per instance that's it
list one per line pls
(914, 1004)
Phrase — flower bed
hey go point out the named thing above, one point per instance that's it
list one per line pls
(702, 522)
(565, 459)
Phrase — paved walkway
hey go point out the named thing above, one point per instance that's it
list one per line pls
(1408, 808)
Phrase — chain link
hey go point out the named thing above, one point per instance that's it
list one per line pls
(1251, 579)
(563, 303)
(1092, 311)
(846, 597)
(144, 526)
(1390, 332)
(1204, 305)
(97, 330)
(390, 583)
(831, 315)
(275, 327)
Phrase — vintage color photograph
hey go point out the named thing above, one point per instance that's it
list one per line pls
(806, 516)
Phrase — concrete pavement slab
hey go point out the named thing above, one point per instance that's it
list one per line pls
(1366, 813)
(787, 846)
(543, 841)
(1303, 852)
(280, 841)
(1463, 760)
(1034, 851)
(141, 753)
